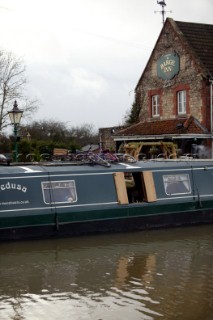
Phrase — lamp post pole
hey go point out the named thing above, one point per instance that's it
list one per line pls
(15, 117)
(16, 143)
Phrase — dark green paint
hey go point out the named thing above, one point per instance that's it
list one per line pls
(168, 66)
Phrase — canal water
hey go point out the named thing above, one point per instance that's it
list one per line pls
(158, 274)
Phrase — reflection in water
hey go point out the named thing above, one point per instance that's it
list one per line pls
(161, 274)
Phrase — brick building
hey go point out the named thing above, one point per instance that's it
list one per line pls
(106, 137)
(174, 92)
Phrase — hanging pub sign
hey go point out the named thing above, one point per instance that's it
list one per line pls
(168, 66)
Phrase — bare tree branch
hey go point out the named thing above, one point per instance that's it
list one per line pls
(12, 87)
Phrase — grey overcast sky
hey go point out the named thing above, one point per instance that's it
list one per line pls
(85, 57)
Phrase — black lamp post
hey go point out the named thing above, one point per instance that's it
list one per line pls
(15, 117)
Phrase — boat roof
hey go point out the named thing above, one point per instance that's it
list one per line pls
(51, 167)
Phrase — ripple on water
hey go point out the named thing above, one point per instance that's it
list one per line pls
(144, 276)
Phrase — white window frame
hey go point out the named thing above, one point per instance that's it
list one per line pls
(181, 101)
(59, 191)
(180, 183)
(155, 105)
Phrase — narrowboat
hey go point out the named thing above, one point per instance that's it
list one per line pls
(66, 199)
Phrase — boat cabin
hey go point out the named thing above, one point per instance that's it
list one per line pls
(50, 199)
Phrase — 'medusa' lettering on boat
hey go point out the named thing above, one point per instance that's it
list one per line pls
(14, 186)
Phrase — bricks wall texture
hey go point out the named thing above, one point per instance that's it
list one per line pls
(189, 78)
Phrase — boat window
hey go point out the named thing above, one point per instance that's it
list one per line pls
(135, 187)
(59, 191)
(177, 184)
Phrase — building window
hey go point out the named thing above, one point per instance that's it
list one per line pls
(155, 106)
(181, 102)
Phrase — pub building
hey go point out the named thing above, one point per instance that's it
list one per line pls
(173, 95)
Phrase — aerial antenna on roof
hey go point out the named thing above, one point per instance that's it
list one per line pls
(163, 12)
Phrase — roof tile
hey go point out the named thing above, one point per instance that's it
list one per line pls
(200, 38)
(172, 126)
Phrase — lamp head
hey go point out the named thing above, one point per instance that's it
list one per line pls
(15, 114)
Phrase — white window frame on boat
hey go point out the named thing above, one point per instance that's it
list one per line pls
(155, 105)
(59, 192)
(177, 184)
(181, 101)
